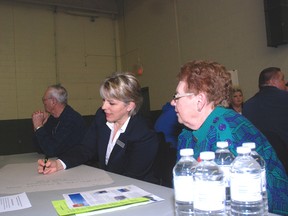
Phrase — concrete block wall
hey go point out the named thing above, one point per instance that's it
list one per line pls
(40, 47)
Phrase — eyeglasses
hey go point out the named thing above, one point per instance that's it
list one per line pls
(45, 99)
(178, 96)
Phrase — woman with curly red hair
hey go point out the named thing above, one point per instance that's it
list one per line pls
(201, 98)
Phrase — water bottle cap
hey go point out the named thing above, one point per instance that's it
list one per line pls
(207, 155)
(186, 152)
(243, 150)
(222, 144)
(250, 145)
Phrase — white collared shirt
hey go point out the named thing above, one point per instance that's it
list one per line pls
(112, 141)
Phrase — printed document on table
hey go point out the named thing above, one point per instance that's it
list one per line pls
(63, 210)
(152, 198)
(104, 196)
(103, 200)
(14, 202)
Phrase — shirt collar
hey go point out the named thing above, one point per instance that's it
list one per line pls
(212, 119)
(122, 129)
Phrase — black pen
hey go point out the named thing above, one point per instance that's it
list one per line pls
(45, 161)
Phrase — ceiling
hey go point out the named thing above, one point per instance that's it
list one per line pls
(110, 7)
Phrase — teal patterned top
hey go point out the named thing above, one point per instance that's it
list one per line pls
(227, 125)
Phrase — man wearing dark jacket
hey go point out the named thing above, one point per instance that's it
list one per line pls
(60, 127)
(268, 110)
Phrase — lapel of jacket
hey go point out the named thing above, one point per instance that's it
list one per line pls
(104, 136)
(122, 141)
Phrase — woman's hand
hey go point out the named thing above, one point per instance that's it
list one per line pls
(50, 166)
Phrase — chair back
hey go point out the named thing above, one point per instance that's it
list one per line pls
(279, 146)
(165, 162)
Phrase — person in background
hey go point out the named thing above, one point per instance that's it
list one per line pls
(168, 128)
(59, 127)
(118, 138)
(236, 99)
(168, 124)
(268, 108)
(201, 96)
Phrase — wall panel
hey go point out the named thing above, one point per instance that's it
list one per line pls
(40, 47)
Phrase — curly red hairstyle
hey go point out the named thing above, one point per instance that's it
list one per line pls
(209, 77)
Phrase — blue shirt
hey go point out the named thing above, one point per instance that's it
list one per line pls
(227, 125)
(167, 123)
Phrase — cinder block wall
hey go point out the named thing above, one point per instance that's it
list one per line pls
(40, 47)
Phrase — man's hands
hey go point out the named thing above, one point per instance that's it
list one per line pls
(39, 118)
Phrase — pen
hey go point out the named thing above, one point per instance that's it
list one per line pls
(45, 161)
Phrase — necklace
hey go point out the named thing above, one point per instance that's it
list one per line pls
(55, 129)
(238, 109)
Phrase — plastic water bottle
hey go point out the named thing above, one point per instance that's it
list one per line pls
(209, 187)
(262, 164)
(246, 185)
(184, 183)
(224, 159)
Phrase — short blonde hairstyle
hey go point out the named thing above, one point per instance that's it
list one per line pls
(235, 89)
(125, 87)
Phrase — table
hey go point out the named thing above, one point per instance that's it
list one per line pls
(41, 201)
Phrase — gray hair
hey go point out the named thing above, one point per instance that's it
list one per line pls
(123, 86)
(59, 93)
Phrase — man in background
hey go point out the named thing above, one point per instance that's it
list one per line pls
(59, 127)
(268, 110)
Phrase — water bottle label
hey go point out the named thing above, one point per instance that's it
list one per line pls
(245, 187)
(184, 188)
(209, 196)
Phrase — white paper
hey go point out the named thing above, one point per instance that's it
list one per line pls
(234, 77)
(103, 196)
(31, 180)
(153, 198)
(14, 202)
(108, 195)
